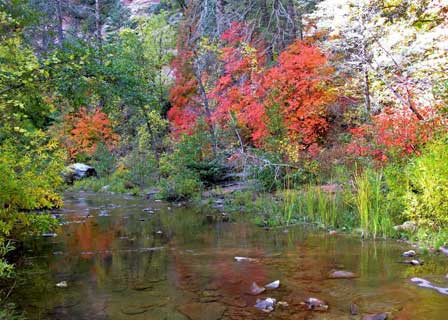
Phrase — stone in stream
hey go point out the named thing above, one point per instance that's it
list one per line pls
(49, 235)
(242, 259)
(409, 254)
(378, 316)
(354, 309)
(255, 289)
(283, 304)
(203, 311)
(427, 284)
(444, 250)
(266, 305)
(315, 304)
(62, 284)
(342, 274)
(414, 262)
(273, 285)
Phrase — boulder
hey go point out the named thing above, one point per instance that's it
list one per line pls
(407, 226)
(341, 274)
(78, 171)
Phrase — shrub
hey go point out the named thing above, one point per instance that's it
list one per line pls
(180, 187)
(30, 176)
(427, 193)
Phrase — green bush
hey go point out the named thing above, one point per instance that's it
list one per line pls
(427, 193)
(104, 161)
(30, 178)
(180, 187)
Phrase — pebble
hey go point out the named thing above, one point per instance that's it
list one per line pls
(255, 289)
(315, 304)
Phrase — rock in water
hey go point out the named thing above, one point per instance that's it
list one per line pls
(354, 309)
(379, 316)
(444, 250)
(427, 284)
(409, 254)
(266, 305)
(255, 289)
(62, 284)
(273, 285)
(241, 259)
(414, 262)
(315, 304)
(341, 274)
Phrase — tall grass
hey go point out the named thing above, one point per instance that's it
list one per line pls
(312, 204)
(371, 205)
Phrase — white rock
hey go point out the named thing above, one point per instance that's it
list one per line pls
(273, 285)
(62, 284)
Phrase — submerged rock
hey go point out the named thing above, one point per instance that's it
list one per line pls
(283, 304)
(378, 316)
(49, 235)
(242, 259)
(266, 305)
(354, 309)
(414, 262)
(315, 304)
(409, 254)
(255, 289)
(342, 274)
(273, 285)
(427, 284)
(62, 284)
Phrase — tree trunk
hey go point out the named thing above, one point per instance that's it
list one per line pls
(292, 16)
(265, 21)
(220, 16)
(59, 16)
(99, 36)
(366, 83)
(208, 112)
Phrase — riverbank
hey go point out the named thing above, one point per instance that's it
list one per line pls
(332, 207)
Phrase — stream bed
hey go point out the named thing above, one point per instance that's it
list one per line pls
(124, 257)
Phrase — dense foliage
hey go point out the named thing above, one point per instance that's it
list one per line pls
(293, 96)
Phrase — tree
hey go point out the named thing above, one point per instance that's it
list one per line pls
(285, 102)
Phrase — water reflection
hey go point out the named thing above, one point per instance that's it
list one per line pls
(122, 262)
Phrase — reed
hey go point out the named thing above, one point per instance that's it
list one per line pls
(371, 205)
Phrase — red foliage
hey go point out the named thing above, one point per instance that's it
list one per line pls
(298, 86)
(87, 130)
(186, 107)
(394, 133)
(295, 89)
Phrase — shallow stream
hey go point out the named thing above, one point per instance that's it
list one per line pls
(125, 257)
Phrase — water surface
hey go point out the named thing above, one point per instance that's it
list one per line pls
(126, 257)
